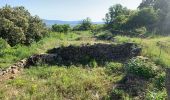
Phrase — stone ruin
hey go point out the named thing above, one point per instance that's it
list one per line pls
(14, 69)
(73, 55)
(101, 53)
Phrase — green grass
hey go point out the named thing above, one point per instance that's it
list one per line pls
(59, 83)
(151, 48)
(11, 55)
(76, 82)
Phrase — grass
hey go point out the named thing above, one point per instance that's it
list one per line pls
(12, 54)
(77, 82)
(156, 48)
(54, 82)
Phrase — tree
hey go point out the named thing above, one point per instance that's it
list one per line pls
(116, 16)
(147, 3)
(146, 17)
(36, 30)
(162, 6)
(86, 24)
(17, 26)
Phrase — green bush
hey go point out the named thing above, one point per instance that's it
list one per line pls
(3, 44)
(105, 35)
(61, 28)
(118, 94)
(114, 67)
(85, 25)
(159, 81)
(156, 95)
(141, 67)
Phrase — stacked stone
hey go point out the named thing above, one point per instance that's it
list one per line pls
(14, 68)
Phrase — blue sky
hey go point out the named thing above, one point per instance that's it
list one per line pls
(70, 9)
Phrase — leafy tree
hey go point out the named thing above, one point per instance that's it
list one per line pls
(116, 16)
(146, 17)
(147, 3)
(17, 26)
(162, 6)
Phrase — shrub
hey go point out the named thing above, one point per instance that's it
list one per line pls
(118, 94)
(141, 67)
(140, 31)
(3, 44)
(85, 25)
(159, 81)
(93, 63)
(156, 95)
(61, 28)
(114, 67)
(106, 35)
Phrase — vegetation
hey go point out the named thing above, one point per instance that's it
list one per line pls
(61, 28)
(85, 25)
(152, 14)
(92, 82)
(59, 83)
(139, 78)
(19, 27)
(142, 68)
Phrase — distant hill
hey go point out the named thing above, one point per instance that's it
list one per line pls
(71, 23)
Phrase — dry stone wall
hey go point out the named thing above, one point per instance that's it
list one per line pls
(74, 54)
(14, 68)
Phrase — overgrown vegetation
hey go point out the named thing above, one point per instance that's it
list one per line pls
(152, 14)
(87, 68)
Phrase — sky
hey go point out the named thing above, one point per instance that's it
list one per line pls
(70, 10)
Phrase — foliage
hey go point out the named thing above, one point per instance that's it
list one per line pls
(146, 17)
(152, 14)
(61, 28)
(104, 35)
(118, 94)
(85, 25)
(3, 44)
(116, 16)
(114, 67)
(17, 26)
(159, 81)
(142, 68)
(162, 7)
(156, 95)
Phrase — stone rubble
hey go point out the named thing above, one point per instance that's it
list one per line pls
(73, 55)
(15, 68)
